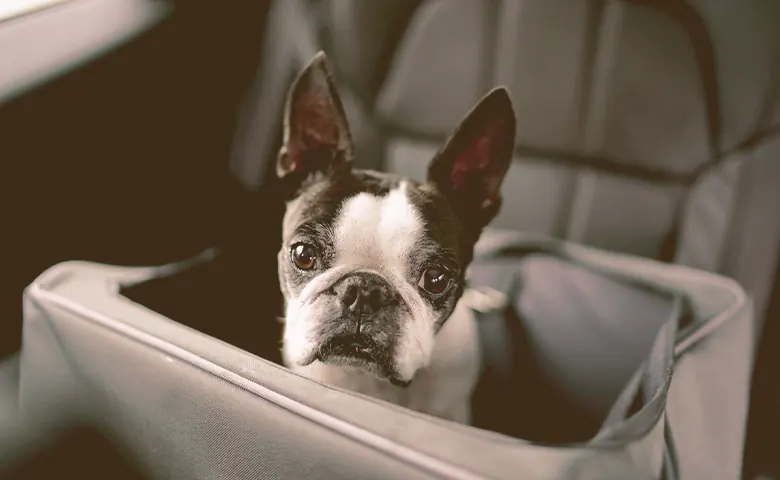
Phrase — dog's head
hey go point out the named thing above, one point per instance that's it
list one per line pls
(371, 264)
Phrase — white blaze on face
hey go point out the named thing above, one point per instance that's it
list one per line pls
(380, 234)
(377, 232)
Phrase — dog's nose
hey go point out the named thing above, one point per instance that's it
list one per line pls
(364, 292)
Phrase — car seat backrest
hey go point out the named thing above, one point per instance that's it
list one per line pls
(650, 128)
(643, 127)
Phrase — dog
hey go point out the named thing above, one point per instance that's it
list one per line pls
(372, 265)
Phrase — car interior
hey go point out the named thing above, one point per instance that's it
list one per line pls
(139, 133)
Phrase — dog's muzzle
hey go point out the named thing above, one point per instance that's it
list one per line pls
(364, 332)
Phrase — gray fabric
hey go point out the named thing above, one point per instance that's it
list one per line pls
(620, 106)
(746, 44)
(564, 201)
(364, 54)
(606, 93)
(449, 83)
(189, 406)
(708, 398)
(752, 254)
(711, 205)
(548, 186)
(290, 41)
(575, 333)
(625, 109)
(731, 224)
(16, 437)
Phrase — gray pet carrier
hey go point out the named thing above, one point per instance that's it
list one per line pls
(596, 365)
(658, 354)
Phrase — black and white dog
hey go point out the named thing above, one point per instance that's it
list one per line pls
(372, 265)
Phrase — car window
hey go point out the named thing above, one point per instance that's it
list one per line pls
(13, 8)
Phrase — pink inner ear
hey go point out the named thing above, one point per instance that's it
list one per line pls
(313, 125)
(317, 124)
(475, 158)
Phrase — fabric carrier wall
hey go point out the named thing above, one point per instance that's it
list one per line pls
(552, 402)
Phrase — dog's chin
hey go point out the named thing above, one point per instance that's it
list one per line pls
(358, 352)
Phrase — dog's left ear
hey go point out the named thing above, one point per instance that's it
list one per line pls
(316, 133)
(471, 166)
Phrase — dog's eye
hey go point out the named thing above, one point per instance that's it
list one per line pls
(435, 280)
(304, 256)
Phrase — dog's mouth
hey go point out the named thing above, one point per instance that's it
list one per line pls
(360, 351)
(357, 347)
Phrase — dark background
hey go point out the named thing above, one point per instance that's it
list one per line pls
(125, 161)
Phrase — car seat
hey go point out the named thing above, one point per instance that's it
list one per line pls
(606, 156)
(650, 128)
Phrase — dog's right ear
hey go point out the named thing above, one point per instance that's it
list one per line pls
(472, 164)
(316, 133)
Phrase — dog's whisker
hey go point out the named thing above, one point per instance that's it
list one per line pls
(419, 345)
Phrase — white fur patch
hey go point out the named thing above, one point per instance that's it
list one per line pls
(377, 232)
(380, 234)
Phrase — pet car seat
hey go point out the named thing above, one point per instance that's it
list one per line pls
(639, 136)
(656, 354)
(648, 128)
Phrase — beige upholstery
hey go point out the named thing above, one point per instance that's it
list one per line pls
(650, 128)
(640, 125)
